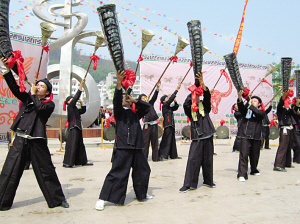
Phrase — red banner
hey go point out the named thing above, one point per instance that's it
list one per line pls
(239, 36)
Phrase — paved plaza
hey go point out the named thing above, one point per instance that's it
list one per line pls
(273, 197)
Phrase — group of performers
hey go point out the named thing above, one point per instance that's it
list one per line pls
(131, 146)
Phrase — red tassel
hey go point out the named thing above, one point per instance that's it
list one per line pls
(266, 81)
(94, 58)
(46, 49)
(222, 122)
(48, 100)
(65, 104)
(173, 58)
(191, 63)
(140, 58)
(21, 73)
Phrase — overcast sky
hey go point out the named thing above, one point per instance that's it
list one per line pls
(271, 28)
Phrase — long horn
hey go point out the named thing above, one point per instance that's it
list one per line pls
(47, 30)
(233, 68)
(297, 74)
(147, 35)
(286, 67)
(5, 44)
(195, 34)
(110, 26)
(181, 44)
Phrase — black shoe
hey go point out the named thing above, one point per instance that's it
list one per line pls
(88, 164)
(280, 169)
(215, 154)
(210, 186)
(178, 157)
(67, 166)
(184, 189)
(162, 159)
(64, 204)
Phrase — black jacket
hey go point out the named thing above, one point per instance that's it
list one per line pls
(167, 111)
(129, 134)
(33, 114)
(152, 115)
(266, 120)
(297, 117)
(203, 127)
(238, 116)
(74, 113)
(285, 116)
(250, 128)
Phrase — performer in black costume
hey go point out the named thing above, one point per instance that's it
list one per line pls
(266, 129)
(168, 143)
(238, 116)
(30, 135)
(75, 153)
(296, 132)
(286, 121)
(128, 153)
(150, 127)
(202, 147)
(250, 134)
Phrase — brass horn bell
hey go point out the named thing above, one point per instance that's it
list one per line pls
(47, 30)
(147, 35)
(99, 40)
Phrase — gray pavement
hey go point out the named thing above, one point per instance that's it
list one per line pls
(273, 197)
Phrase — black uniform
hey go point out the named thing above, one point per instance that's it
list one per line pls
(266, 129)
(31, 125)
(128, 153)
(150, 132)
(168, 142)
(286, 121)
(296, 132)
(237, 142)
(75, 153)
(250, 133)
(202, 148)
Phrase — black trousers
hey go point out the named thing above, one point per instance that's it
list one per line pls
(200, 154)
(150, 134)
(237, 144)
(284, 152)
(115, 183)
(249, 148)
(296, 146)
(265, 137)
(168, 144)
(75, 153)
(42, 166)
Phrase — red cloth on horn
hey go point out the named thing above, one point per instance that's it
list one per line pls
(262, 107)
(129, 78)
(287, 100)
(47, 49)
(95, 58)
(294, 101)
(266, 81)
(140, 58)
(291, 83)
(246, 93)
(196, 91)
(174, 59)
(21, 73)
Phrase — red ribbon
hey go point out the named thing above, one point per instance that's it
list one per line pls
(140, 58)
(129, 78)
(196, 91)
(291, 83)
(191, 63)
(223, 72)
(174, 59)
(94, 58)
(47, 49)
(287, 100)
(222, 122)
(266, 81)
(294, 101)
(21, 73)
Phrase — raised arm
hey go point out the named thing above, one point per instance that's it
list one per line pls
(154, 97)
